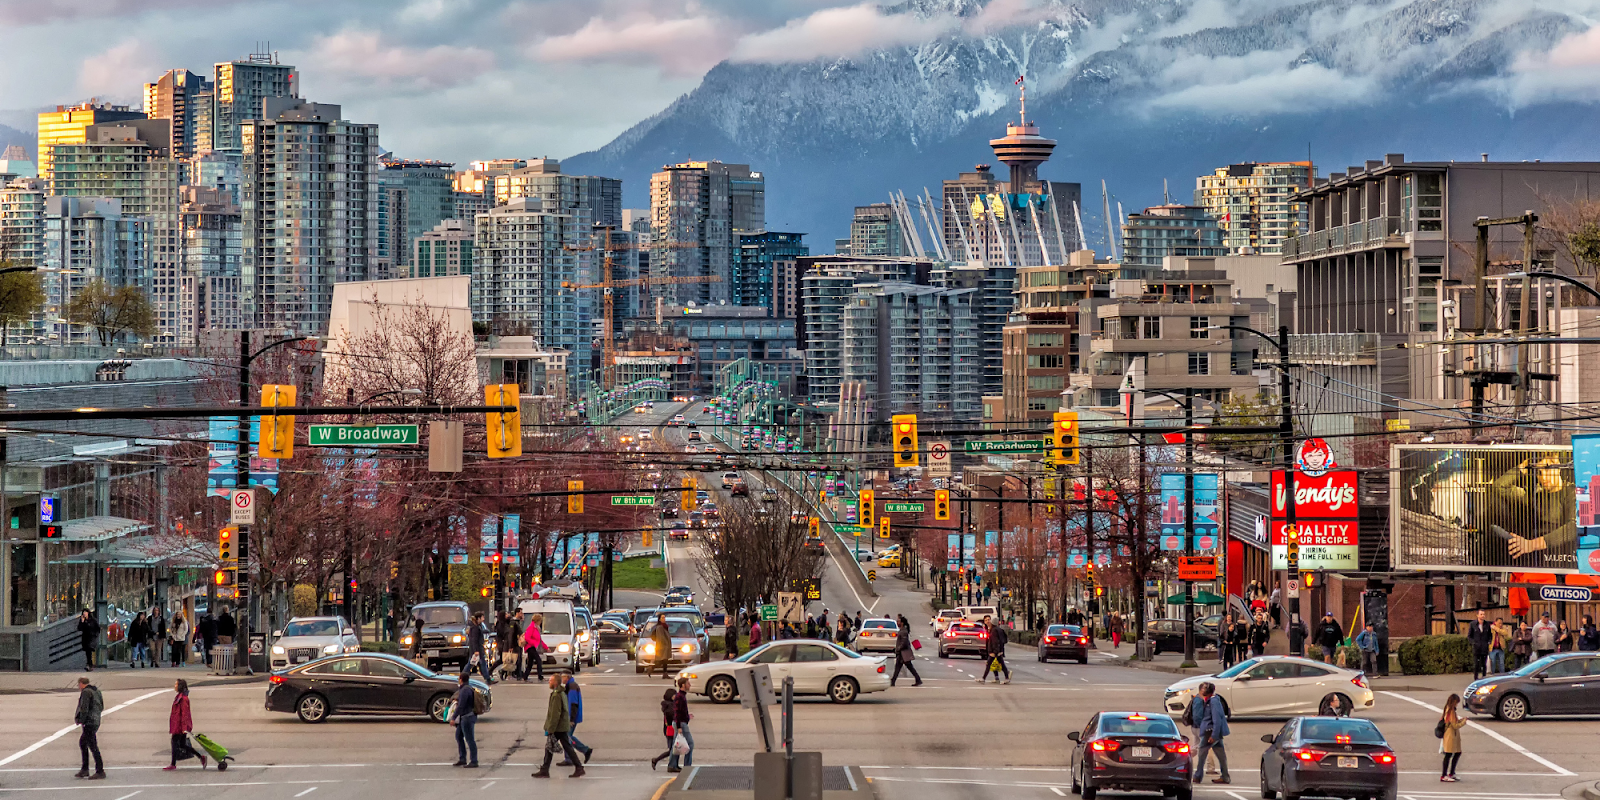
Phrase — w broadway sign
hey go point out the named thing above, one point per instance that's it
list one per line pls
(339, 435)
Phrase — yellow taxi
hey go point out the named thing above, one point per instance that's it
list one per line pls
(889, 560)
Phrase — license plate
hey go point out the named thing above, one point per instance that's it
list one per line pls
(1347, 761)
(1144, 752)
(433, 654)
(300, 659)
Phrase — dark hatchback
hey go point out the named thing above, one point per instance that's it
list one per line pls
(1564, 683)
(1064, 641)
(1167, 634)
(1132, 752)
(362, 683)
(1329, 757)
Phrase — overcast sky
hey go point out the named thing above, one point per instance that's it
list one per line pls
(447, 79)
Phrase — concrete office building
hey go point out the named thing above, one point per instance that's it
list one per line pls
(414, 196)
(522, 255)
(87, 239)
(310, 211)
(68, 125)
(765, 271)
(1169, 230)
(185, 100)
(1040, 339)
(915, 349)
(826, 284)
(1251, 202)
(875, 230)
(131, 161)
(698, 209)
(445, 250)
(22, 221)
(209, 222)
(239, 87)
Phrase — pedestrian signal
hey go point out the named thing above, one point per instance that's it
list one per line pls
(224, 577)
(941, 504)
(905, 439)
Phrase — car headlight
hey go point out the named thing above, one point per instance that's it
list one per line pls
(563, 647)
(406, 640)
(278, 650)
(331, 649)
(689, 675)
(1487, 689)
(457, 639)
(688, 648)
(650, 648)
(583, 637)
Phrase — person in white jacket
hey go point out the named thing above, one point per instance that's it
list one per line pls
(1544, 636)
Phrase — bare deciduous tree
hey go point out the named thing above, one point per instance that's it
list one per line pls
(754, 555)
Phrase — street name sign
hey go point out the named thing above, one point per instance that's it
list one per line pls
(903, 508)
(632, 500)
(337, 435)
(1001, 446)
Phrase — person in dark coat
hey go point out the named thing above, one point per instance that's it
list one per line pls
(994, 651)
(416, 637)
(227, 627)
(558, 731)
(138, 639)
(1260, 632)
(1329, 636)
(465, 720)
(661, 637)
(476, 647)
(88, 637)
(1481, 635)
(680, 721)
(206, 628)
(904, 654)
(90, 705)
(179, 724)
(669, 710)
(575, 712)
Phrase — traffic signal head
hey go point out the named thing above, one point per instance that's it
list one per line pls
(941, 504)
(1292, 547)
(277, 432)
(904, 434)
(814, 527)
(1308, 580)
(486, 591)
(864, 509)
(575, 500)
(883, 528)
(225, 552)
(1065, 432)
(504, 428)
(689, 502)
(223, 577)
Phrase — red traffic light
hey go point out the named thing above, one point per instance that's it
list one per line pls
(485, 591)
(353, 585)
(494, 558)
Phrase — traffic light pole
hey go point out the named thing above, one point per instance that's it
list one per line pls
(1188, 524)
(242, 584)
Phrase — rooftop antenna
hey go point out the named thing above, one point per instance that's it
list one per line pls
(1022, 81)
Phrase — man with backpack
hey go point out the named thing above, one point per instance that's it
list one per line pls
(1210, 719)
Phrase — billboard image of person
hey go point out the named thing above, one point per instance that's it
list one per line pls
(1488, 507)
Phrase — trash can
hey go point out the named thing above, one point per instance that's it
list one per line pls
(1144, 650)
(222, 659)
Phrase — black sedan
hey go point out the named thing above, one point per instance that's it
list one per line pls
(1064, 641)
(1131, 752)
(362, 683)
(1331, 757)
(1167, 634)
(1565, 683)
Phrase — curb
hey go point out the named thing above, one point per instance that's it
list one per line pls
(1591, 791)
(1153, 667)
(214, 681)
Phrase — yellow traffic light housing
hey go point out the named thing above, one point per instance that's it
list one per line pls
(504, 428)
(814, 527)
(574, 500)
(1292, 547)
(905, 439)
(277, 431)
(864, 508)
(689, 502)
(1066, 436)
(225, 552)
(883, 528)
(941, 503)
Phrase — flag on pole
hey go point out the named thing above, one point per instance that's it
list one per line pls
(1018, 81)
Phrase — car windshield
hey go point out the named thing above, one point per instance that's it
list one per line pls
(312, 627)
(1239, 668)
(1328, 729)
(1152, 726)
(676, 628)
(556, 624)
(441, 615)
(1535, 666)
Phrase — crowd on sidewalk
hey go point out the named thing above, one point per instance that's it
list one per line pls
(154, 637)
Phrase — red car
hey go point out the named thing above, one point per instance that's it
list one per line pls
(963, 637)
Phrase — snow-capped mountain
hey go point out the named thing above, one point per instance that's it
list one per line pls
(1137, 91)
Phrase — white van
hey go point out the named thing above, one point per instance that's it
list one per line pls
(558, 626)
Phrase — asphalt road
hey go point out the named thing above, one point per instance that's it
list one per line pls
(950, 738)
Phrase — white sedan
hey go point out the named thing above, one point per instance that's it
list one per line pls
(1278, 686)
(877, 634)
(817, 668)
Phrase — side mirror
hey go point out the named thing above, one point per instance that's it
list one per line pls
(349, 631)
(277, 634)
(1268, 738)
(1244, 678)
(1074, 735)
(1539, 677)
(410, 676)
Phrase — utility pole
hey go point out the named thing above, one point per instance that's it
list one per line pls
(241, 480)
(1188, 522)
(1286, 426)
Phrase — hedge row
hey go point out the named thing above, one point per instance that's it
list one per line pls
(1435, 655)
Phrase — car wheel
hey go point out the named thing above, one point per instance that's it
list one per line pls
(1391, 793)
(943, 654)
(1185, 793)
(842, 690)
(1512, 708)
(1042, 659)
(437, 705)
(1155, 648)
(638, 668)
(1084, 659)
(721, 690)
(1335, 704)
(1267, 792)
(312, 708)
(1088, 791)
(1077, 788)
(1284, 783)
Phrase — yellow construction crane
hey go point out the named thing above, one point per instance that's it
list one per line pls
(609, 343)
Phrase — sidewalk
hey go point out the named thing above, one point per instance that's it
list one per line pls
(1208, 665)
(118, 677)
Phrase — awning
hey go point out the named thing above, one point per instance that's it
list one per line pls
(100, 529)
(146, 551)
(1200, 598)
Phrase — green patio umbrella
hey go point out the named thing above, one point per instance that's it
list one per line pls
(1200, 599)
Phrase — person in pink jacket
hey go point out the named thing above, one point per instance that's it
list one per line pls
(533, 647)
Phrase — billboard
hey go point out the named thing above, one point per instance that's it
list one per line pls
(1483, 507)
(1173, 508)
(1324, 544)
(1586, 477)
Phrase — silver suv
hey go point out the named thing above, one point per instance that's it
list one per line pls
(310, 638)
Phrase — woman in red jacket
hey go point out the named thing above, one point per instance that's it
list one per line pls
(180, 724)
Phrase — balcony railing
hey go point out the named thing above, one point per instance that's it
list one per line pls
(1355, 236)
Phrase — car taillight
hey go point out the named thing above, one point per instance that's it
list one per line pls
(1382, 757)
(277, 679)
(880, 669)
(1083, 640)
(1176, 747)
(1103, 745)
(1307, 754)
(1360, 680)
(1049, 640)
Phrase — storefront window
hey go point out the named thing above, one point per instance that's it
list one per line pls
(24, 584)
(68, 586)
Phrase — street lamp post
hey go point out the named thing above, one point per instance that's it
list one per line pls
(1188, 517)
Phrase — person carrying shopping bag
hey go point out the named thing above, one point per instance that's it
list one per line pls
(1448, 729)
(904, 653)
(533, 647)
(669, 706)
(180, 723)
